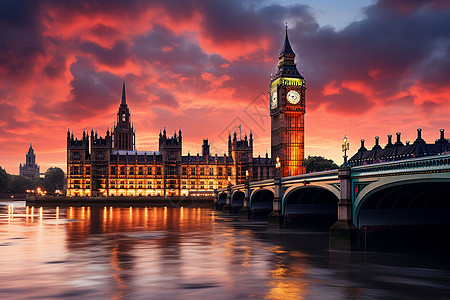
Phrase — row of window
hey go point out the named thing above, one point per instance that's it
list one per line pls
(171, 171)
(185, 171)
(184, 187)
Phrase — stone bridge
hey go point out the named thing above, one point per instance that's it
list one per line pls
(398, 193)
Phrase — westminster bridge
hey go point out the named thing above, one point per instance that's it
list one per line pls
(399, 193)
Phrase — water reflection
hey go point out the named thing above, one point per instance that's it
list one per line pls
(183, 253)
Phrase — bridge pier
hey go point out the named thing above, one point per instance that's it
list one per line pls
(276, 217)
(227, 207)
(343, 234)
(244, 212)
(216, 200)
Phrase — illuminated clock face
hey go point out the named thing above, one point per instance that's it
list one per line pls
(293, 97)
(123, 117)
(273, 99)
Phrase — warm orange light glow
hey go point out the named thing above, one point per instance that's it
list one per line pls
(105, 215)
(131, 213)
(181, 214)
(32, 213)
(146, 215)
(41, 211)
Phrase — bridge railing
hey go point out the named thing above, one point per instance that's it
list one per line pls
(422, 164)
(310, 177)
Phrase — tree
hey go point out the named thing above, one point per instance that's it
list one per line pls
(319, 163)
(20, 184)
(3, 180)
(54, 180)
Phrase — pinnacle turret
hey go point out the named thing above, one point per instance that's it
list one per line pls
(124, 100)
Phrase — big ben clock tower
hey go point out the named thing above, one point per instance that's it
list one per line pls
(287, 111)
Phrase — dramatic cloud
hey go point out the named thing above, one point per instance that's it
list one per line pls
(205, 66)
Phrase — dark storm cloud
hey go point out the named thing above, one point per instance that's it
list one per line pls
(178, 53)
(408, 6)
(92, 91)
(20, 37)
(166, 100)
(348, 102)
(389, 50)
(438, 66)
(113, 56)
(56, 67)
(226, 21)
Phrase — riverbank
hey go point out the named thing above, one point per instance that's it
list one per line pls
(185, 201)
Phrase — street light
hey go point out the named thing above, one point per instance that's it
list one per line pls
(278, 166)
(345, 147)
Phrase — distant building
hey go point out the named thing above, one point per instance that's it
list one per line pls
(111, 166)
(398, 150)
(30, 168)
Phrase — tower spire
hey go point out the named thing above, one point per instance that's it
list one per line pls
(124, 100)
(286, 60)
(123, 134)
(287, 49)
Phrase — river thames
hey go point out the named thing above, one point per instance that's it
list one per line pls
(194, 253)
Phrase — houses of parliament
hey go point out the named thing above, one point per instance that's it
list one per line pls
(112, 166)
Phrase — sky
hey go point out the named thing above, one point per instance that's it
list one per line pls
(372, 68)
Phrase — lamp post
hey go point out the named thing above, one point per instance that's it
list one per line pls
(278, 166)
(275, 218)
(345, 147)
(227, 206)
(244, 212)
(343, 234)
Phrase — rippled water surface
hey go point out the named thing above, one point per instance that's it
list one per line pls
(193, 253)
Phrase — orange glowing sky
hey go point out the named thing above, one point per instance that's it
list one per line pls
(205, 66)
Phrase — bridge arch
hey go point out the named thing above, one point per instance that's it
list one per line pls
(222, 199)
(237, 199)
(311, 205)
(261, 200)
(404, 200)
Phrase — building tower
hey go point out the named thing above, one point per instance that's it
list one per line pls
(171, 152)
(241, 150)
(123, 134)
(100, 161)
(287, 110)
(78, 165)
(29, 169)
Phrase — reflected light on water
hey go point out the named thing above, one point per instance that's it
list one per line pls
(131, 214)
(287, 290)
(120, 285)
(41, 214)
(159, 253)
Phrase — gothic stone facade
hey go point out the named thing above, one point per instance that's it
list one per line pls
(110, 165)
